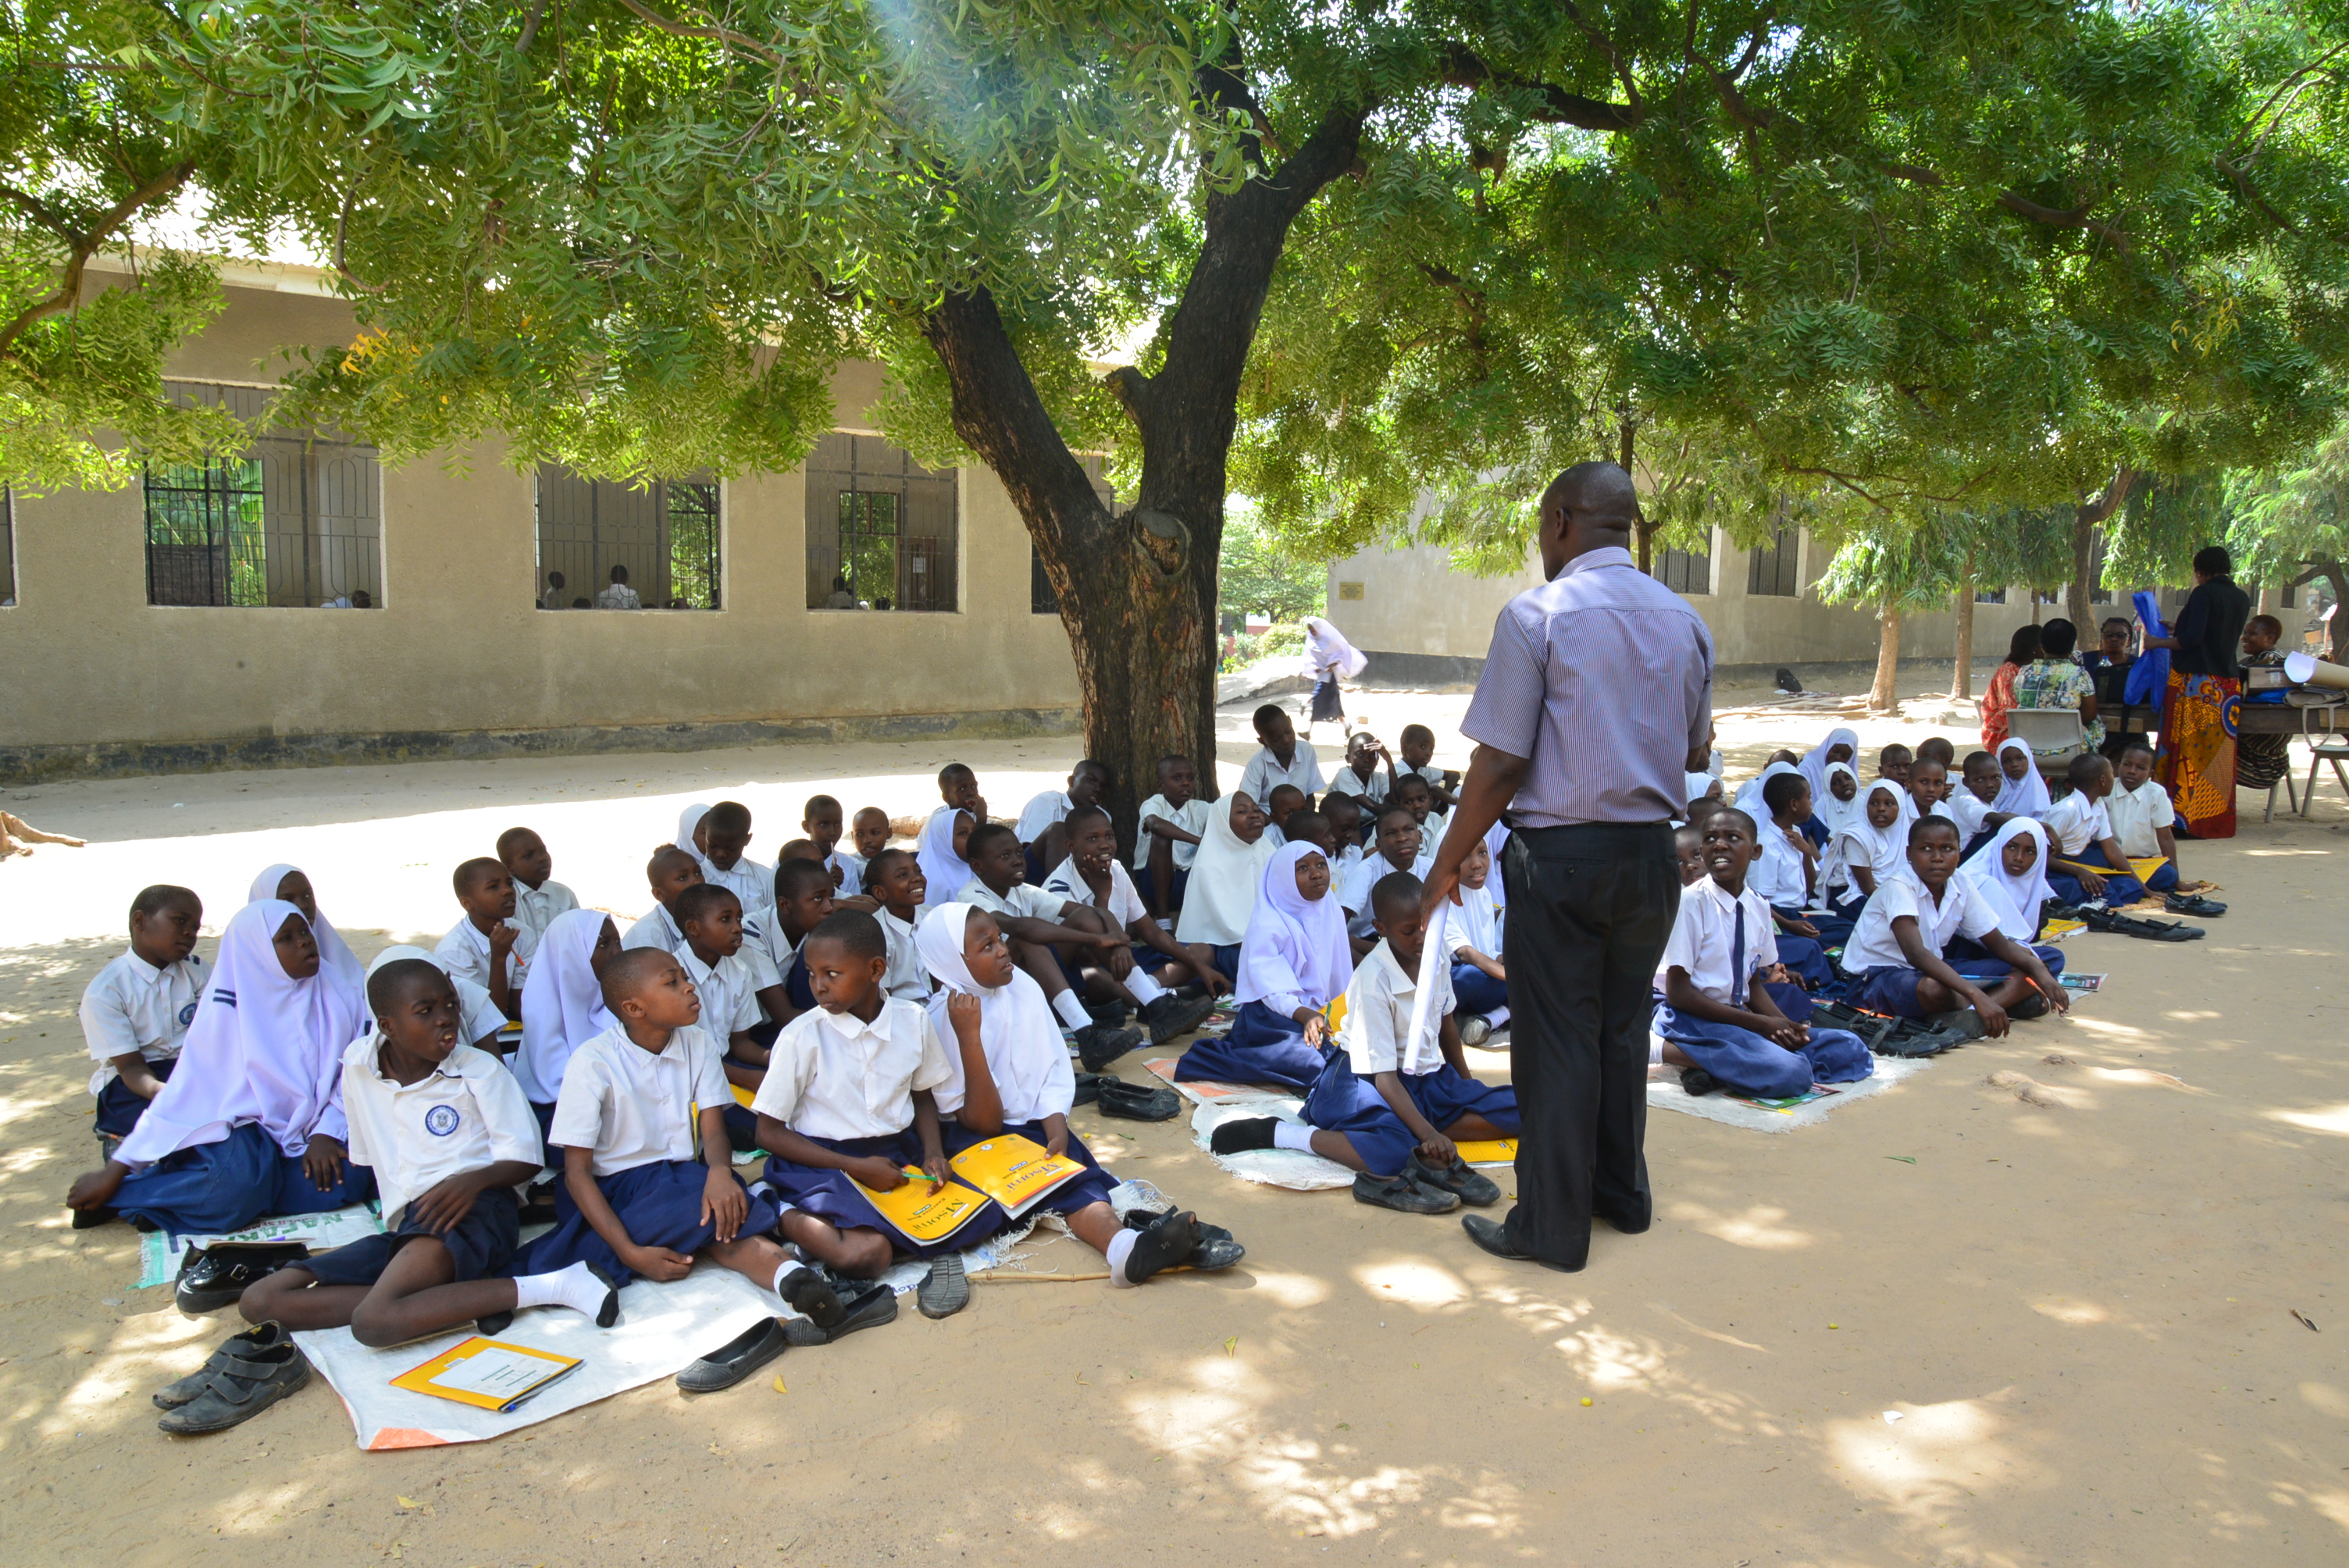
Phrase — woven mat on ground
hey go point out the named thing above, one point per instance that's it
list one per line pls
(1665, 1093)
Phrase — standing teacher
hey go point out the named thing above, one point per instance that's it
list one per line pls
(1594, 703)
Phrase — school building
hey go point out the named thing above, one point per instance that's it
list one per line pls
(305, 603)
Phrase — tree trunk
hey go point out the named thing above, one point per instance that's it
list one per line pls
(2084, 521)
(1885, 695)
(1643, 533)
(1961, 677)
(1137, 593)
(2336, 572)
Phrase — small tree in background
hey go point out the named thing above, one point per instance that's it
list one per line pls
(2293, 524)
(1260, 574)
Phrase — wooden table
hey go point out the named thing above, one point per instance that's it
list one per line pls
(2251, 718)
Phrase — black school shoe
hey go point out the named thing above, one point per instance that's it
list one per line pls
(2104, 919)
(946, 1289)
(736, 1359)
(1217, 1249)
(239, 1389)
(812, 1296)
(1089, 1086)
(1132, 1102)
(2194, 904)
(1404, 1195)
(864, 1304)
(1109, 1015)
(1168, 1240)
(1698, 1082)
(218, 1276)
(1170, 1015)
(1098, 1044)
(242, 1346)
(1463, 1181)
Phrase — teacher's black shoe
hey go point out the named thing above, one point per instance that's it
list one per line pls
(1494, 1237)
(736, 1359)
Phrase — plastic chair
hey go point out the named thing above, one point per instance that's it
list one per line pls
(2332, 749)
(2054, 735)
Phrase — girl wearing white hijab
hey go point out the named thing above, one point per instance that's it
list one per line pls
(251, 1123)
(1329, 658)
(1873, 851)
(563, 1003)
(1221, 897)
(1818, 759)
(337, 963)
(478, 1018)
(1837, 817)
(2019, 797)
(942, 864)
(2017, 894)
(1749, 794)
(1294, 962)
(688, 822)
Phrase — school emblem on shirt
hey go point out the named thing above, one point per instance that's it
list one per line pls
(441, 1121)
(187, 1015)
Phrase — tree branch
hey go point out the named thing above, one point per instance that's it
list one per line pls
(529, 34)
(2064, 218)
(81, 246)
(2116, 490)
(1460, 67)
(1221, 87)
(1622, 71)
(342, 228)
(715, 32)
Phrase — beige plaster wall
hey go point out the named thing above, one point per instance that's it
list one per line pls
(459, 645)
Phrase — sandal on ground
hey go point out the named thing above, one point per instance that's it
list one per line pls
(242, 1346)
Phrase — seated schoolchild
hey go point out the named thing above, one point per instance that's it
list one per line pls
(2021, 789)
(563, 1007)
(1897, 954)
(2089, 863)
(1871, 848)
(479, 1020)
(2012, 873)
(449, 1137)
(488, 947)
(1294, 962)
(1153, 966)
(727, 832)
(693, 830)
(538, 898)
(804, 896)
(944, 871)
(1973, 805)
(1166, 841)
(1893, 762)
(1040, 926)
(1225, 881)
(1841, 747)
(1344, 815)
(670, 872)
(1286, 800)
(1783, 875)
(338, 967)
(136, 1013)
(1417, 746)
(1928, 791)
(897, 888)
(1040, 830)
(648, 1183)
(847, 1101)
(1688, 852)
(1008, 1073)
(1419, 799)
(868, 831)
(1938, 748)
(1367, 772)
(1831, 815)
(1389, 1105)
(251, 1121)
(1308, 826)
(1714, 1008)
(728, 976)
(824, 822)
(1279, 758)
(1748, 798)
(1480, 976)
(1400, 848)
(2143, 819)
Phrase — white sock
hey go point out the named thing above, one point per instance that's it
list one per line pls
(1655, 1051)
(1145, 990)
(1121, 1247)
(573, 1287)
(1497, 1016)
(790, 1266)
(1071, 1011)
(1292, 1135)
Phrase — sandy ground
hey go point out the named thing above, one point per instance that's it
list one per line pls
(2080, 1309)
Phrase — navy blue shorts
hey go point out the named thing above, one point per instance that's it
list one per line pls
(1344, 1102)
(480, 1245)
(118, 1110)
(658, 1204)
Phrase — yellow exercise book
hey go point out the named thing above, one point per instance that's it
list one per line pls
(488, 1373)
(923, 1213)
(1489, 1151)
(1015, 1172)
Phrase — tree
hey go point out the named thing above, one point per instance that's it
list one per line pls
(2293, 523)
(1259, 573)
(1885, 254)
(1894, 572)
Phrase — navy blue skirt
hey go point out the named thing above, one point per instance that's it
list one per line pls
(1081, 1192)
(1756, 1065)
(213, 1188)
(831, 1196)
(1344, 1101)
(1262, 1047)
(658, 1204)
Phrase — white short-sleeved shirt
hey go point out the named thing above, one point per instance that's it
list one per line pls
(659, 930)
(1264, 773)
(832, 1075)
(907, 978)
(1376, 1033)
(464, 952)
(1354, 891)
(632, 1106)
(848, 870)
(1778, 876)
(2137, 815)
(1190, 816)
(752, 883)
(729, 990)
(1476, 921)
(1040, 813)
(536, 907)
(467, 1115)
(769, 946)
(1123, 905)
(1968, 811)
(1963, 912)
(1346, 781)
(619, 596)
(1704, 941)
(134, 1006)
(1021, 900)
(2075, 822)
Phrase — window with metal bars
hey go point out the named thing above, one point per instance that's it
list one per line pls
(1990, 596)
(604, 544)
(1684, 571)
(293, 521)
(1774, 571)
(883, 532)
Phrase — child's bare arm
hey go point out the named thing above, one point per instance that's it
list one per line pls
(135, 1075)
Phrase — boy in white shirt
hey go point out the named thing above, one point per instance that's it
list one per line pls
(1147, 970)
(1896, 953)
(1167, 841)
(2143, 819)
(648, 1183)
(1713, 1006)
(1480, 976)
(2088, 862)
(1344, 814)
(1279, 759)
(1041, 927)
(1390, 1105)
(537, 899)
(1040, 828)
(1417, 744)
(137, 1011)
(894, 880)
(727, 832)
(488, 947)
(728, 976)
(449, 1135)
(1359, 774)
(869, 831)
(804, 898)
(1400, 848)
(846, 1107)
(670, 872)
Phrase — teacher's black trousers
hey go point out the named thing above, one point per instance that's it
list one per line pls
(1590, 910)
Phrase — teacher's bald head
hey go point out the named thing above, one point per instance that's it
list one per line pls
(1589, 507)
